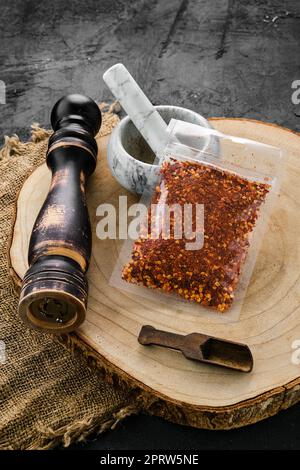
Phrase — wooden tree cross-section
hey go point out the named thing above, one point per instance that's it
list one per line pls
(166, 383)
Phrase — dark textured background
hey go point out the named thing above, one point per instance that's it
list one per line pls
(218, 57)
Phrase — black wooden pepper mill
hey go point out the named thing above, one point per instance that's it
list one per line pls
(54, 291)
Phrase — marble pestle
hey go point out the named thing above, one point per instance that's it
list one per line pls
(138, 107)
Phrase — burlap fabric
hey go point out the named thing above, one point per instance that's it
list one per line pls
(47, 396)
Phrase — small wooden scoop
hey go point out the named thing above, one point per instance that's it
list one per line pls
(201, 348)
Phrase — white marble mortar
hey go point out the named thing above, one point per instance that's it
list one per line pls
(130, 157)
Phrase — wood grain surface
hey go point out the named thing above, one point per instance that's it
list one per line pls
(192, 393)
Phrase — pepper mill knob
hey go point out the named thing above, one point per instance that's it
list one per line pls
(76, 109)
(54, 291)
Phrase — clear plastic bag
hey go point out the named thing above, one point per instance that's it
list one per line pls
(207, 203)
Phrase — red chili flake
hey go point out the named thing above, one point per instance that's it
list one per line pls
(209, 275)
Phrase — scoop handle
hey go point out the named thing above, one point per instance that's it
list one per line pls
(138, 107)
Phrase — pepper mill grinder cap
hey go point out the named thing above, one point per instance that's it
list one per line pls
(76, 109)
(78, 118)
